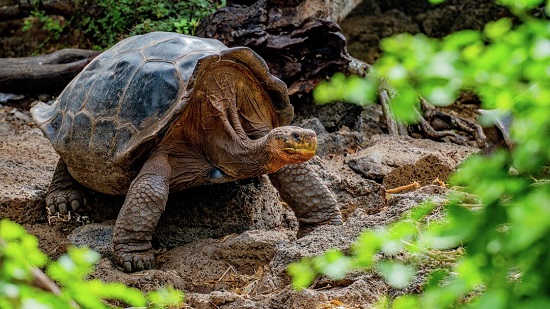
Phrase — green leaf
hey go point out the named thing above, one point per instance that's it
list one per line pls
(497, 29)
(396, 274)
(406, 302)
(10, 230)
(333, 264)
(404, 105)
(302, 274)
(460, 39)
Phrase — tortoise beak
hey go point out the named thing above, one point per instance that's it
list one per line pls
(301, 142)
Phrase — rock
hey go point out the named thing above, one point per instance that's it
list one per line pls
(227, 263)
(333, 116)
(312, 123)
(52, 240)
(341, 142)
(26, 167)
(350, 189)
(97, 237)
(147, 280)
(219, 210)
(338, 142)
(201, 212)
(364, 34)
(371, 121)
(387, 153)
(425, 171)
(215, 299)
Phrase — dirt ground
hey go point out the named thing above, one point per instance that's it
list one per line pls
(243, 266)
(228, 246)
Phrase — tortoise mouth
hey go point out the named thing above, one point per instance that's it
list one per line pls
(303, 146)
(310, 150)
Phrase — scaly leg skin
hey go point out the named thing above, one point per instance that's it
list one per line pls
(64, 193)
(139, 215)
(312, 202)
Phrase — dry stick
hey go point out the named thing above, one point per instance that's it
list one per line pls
(413, 185)
(225, 273)
(463, 124)
(43, 282)
(358, 67)
(390, 121)
(361, 68)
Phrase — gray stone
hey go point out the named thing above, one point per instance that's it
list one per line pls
(219, 210)
(427, 170)
(387, 153)
(312, 123)
(350, 189)
(97, 237)
(341, 142)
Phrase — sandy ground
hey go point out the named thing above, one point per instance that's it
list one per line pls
(243, 266)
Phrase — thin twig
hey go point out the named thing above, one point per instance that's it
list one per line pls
(40, 280)
(390, 120)
(411, 186)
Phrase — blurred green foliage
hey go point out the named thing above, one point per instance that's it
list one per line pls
(506, 237)
(20, 258)
(116, 19)
(105, 22)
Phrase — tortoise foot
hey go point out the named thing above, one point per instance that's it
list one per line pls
(63, 201)
(306, 229)
(133, 261)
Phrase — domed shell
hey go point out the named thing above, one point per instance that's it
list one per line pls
(124, 101)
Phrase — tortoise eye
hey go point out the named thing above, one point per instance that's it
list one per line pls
(296, 136)
(216, 173)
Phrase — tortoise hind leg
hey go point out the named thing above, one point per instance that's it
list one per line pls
(64, 193)
(312, 202)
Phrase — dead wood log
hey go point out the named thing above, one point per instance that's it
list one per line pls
(13, 9)
(300, 45)
(43, 74)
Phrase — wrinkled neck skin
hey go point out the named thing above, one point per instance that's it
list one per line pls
(208, 143)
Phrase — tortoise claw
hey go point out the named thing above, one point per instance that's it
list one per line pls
(133, 261)
(63, 201)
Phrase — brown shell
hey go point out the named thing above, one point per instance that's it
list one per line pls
(125, 100)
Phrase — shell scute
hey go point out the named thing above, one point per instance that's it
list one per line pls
(140, 41)
(187, 64)
(123, 138)
(55, 124)
(156, 87)
(105, 103)
(64, 132)
(102, 139)
(83, 124)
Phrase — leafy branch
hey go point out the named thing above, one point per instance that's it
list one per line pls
(504, 241)
(24, 285)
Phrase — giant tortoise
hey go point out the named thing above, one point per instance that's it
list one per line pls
(162, 112)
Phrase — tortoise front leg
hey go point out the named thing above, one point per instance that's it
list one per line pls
(144, 204)
(312, 202)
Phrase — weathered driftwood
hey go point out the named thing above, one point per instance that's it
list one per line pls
(12, 9)
(300, 45)
(43, 74)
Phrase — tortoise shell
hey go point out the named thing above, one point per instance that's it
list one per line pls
(123, 103)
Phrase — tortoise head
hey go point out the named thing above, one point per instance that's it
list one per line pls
(290, 145)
